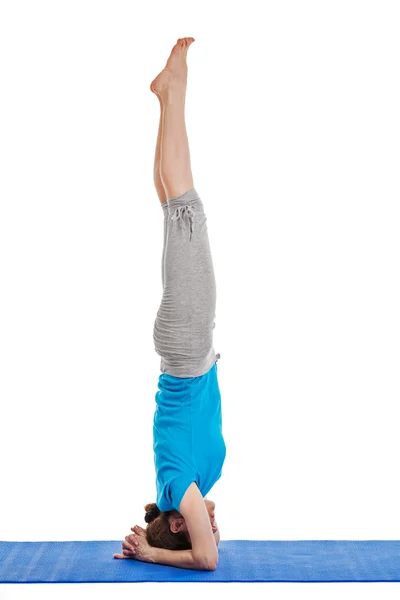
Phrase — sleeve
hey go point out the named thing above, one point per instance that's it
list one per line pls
(178, 487)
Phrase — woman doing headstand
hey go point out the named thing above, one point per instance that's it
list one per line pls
(189, 448)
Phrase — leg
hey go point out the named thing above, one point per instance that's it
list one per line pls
(176, 172)
(158, 183)
(170, 87)
(183, 329)
(157, 160)
(172, 175)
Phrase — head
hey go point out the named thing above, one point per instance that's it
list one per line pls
(168, 529)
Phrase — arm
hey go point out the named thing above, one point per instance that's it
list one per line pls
(181, 558)
(217, 536)
(194, 510)
(178, 558)
(210, 508)
(136, 546)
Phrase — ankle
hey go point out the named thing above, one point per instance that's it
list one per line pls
(174, 93)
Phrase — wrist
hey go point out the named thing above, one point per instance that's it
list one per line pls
(154, 554)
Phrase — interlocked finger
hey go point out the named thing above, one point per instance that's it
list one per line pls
(131, 539)
(128, 548)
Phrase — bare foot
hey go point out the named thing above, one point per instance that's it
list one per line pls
(175, 71)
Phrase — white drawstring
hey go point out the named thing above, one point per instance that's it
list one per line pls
(177, 214)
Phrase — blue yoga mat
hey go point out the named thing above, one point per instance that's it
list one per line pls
(239, 560)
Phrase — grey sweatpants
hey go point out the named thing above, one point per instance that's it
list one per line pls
(183, 328)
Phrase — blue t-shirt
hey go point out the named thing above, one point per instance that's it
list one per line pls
(187, 436)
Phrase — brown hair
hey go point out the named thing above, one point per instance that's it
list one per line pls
(158, 529)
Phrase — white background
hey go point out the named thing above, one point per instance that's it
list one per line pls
(293, 121)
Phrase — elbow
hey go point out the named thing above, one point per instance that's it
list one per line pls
(208, 566)
(210, 563)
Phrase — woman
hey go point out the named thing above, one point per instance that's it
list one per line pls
(189, 448)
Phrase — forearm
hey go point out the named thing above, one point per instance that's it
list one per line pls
(217, 537)
(177, 558)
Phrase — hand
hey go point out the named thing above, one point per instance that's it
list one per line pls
(136, 546)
